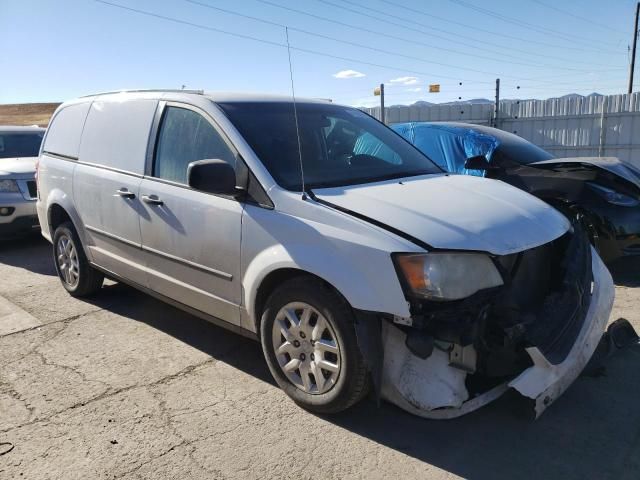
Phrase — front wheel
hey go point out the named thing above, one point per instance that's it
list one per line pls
(78, 277)
(309, 342)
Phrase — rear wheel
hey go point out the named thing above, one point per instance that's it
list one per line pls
(77, 276)
(309, 342)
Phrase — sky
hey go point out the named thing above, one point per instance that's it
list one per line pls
(340, 49)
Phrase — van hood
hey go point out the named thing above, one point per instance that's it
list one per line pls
(610, 164)
(21, 168)
(457, 212)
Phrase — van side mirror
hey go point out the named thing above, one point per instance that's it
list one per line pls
(212, 176)
(479, 162)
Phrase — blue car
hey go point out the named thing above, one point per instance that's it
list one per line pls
(603, 193)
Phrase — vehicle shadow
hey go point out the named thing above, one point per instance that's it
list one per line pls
(593, 431)
(626, 272)
(221, 344)
(31, 253)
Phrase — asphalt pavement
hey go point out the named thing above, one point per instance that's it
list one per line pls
(122, 386)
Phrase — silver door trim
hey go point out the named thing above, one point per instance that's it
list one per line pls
(217, 273)
(112, 236)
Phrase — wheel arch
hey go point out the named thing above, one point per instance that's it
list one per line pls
(60, 208)
(277, 277)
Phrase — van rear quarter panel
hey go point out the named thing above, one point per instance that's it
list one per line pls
(57, 162)
(55, 184)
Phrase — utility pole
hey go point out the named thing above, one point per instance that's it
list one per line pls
(379, 92)
(382, 101)
(497, 110)
(633, 50)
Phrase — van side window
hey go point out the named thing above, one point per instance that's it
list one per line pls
(186, 136)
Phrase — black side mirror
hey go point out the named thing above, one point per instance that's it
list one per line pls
(212, 176)
(479, 162)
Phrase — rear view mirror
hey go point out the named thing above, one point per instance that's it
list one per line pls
(212, 176)
(479, 162)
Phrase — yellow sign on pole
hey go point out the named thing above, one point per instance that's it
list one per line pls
(376, 91)
(434, 88)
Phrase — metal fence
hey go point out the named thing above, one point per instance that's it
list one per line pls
(566, 127)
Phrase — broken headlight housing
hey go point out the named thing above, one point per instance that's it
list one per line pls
(446, 276)
(613, 197)
(8, 186)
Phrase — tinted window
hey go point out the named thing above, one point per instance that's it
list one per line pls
(20, 144)
(521, 152)
(339, 145)
(514, 148)
(186, 136)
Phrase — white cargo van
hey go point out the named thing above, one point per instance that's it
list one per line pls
(353, 266)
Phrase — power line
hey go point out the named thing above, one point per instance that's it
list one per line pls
(378, 33)
(375, 49)
(571, 14)
(521, 23)
(281, 45)
(407, 20)
(386, 20)
(479, 29)
(410, 41)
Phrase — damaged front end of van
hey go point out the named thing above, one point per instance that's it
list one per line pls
(482, 324)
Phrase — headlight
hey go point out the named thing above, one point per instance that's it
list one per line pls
(614, 197)
(8, 186)
(447, 276)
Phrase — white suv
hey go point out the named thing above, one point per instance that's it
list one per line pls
(19, 147)
(319, 231)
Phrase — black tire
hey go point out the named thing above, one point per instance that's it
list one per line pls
(353, 381)
(88, 280)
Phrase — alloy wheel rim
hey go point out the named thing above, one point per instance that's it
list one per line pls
(68, 263)
(306, 348)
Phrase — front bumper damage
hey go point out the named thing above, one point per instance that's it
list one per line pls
(434, 388)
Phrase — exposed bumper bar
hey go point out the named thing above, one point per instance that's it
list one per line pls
(544, 382)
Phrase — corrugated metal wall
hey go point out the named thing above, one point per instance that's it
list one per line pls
(568, 127)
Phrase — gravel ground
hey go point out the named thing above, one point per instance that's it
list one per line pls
(123, 386)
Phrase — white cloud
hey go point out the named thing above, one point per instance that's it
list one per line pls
(417, 89)
(349, 74)
(404, 80)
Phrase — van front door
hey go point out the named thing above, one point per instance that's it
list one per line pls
(191, 239)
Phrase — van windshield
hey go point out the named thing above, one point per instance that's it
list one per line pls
(340, 145)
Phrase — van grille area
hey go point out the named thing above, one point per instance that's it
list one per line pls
(33, 188)
(543, 304)
(547, 301)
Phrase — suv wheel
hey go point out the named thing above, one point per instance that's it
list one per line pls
(309, 341)
(76, 275)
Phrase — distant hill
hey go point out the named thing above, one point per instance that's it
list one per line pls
(486, 101)
(27, 113)
(475, 101)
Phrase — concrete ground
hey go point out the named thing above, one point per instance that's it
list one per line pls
(123, 386)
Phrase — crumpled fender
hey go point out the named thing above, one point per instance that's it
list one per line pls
(431, 388)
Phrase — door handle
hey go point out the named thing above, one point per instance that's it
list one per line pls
(124, 193)
(152, 200)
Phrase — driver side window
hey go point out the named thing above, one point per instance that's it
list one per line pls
(186, 136)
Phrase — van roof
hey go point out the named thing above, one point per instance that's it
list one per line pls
(217, 96)
(20, 129)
